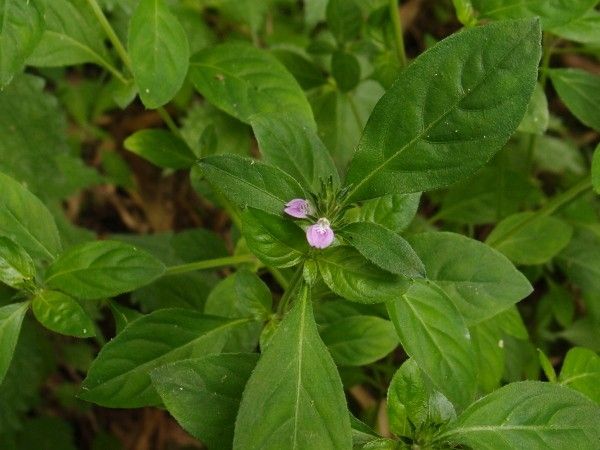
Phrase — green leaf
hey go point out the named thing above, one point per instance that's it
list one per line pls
(72, 36)
(204, 394)
(307, 73)
(120, 375)
(585, 29)
(344, 19)
(394, 212)
(384, 248)
(102, 269)
(553, 13)
(546, 366)
(449, 112)
(243, 81)
(480, 281)
(16, 267)
(159, 52)
(488, 342)
(276, 241)
(60, 313)
(295, 148)
(345, 70)
(248, 182)
(580, 92)
(580, 260)
(303, 406)
(537, 116)
(359, 340)
(25, 220)
(161, 148)
(123, 315)
(351, 276)
(21, 27)
(581, 371)
(596, 170)
(527, 238)
(434, 334)
(529, 414)
(11, 318)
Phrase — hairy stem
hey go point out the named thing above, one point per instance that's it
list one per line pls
(210, 264)
(398, 33)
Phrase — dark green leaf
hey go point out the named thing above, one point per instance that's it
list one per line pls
(344, 19)
(11, 318)
(395, 212)
(307, 73)
(434, 334)
(102, 269)
(159, 52)
(60, 313)
(596, 170)
(580, 92)
(303, 406)
(346, 70)
(581, 371)
(16, 267)
(448, 112)
(120, 375)
(581, 260)
(161, 148)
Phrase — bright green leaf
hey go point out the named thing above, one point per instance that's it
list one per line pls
(537, 116)
(16, 267)
(596, 170)
(585, 29)
(161, 148)
(580, 92)
(394, 212)
(581, 371)
(60, 313)
(11, 318)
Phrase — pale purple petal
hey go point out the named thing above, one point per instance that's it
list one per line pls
(320, 235)
(298, 208)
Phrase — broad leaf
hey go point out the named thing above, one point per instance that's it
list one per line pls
(204, 394)
(243, 80)
(395, 212)
(159, 52)
(276, 241)
(294, 147)
(448, 112)
(537, 116)
(308, 74)
(580, 92)
(344, 19)
(21, 27)
(585, 29)
(345, 69)
(347, 273)
(303, 405)
(161, 148)
(581, 371)
(16, 267)
(60, 313)
(25, 219)
(248, 182)
(480, 281)
(11, 318)
(434, 334)
(359, 340)
(120, 375)
(384, 248)
(102, 269)
(527, 238)
(580, 260)
(596, 170)
(529, 414)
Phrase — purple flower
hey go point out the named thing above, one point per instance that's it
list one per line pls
(298, 208)
(320, 235)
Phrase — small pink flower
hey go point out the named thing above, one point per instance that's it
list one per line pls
(298, 208)
(320, 235)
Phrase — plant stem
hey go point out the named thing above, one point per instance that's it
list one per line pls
(293, 286)
(398, 34)
(110, 33)
(168, 120)
(210, 264)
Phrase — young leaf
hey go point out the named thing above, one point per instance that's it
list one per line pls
(351, 276)
(204, 394)
(120, 375)
(553, 13)
(434, 334)
(248, 182)
(60, 313)
(102, 269)
(276, 241)
(581, 371)
(546, 366)
(529, 239)
(580, 92)
(16, 266)
(25, 219)
(449, 112)
(295, 148)
(303, 406)
(159, 52)
(394, 212)
(344, 19)
(243, 80)
(480, 281)
(596, 170)
(529, 414)
(11, 318)
(359, 340)
(21, 27)
(161, 148)
(345, 68)
(384, 248)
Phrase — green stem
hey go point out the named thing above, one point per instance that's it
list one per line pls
(398, 34)
(210, 264)
(168, 120)
(110, 33)
(287, 295)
